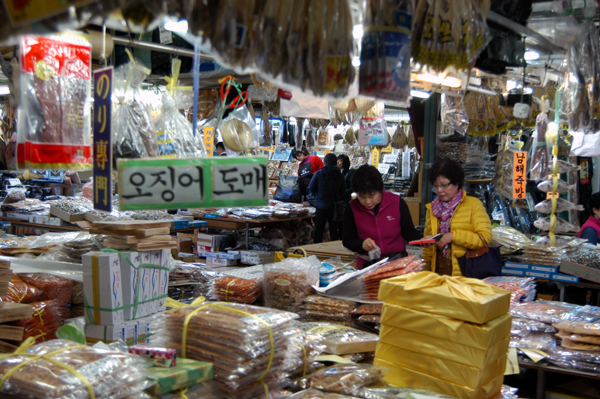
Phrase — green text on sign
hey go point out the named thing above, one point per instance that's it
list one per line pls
(192, 183)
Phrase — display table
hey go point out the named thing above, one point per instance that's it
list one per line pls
(331, 249)
(544, 367)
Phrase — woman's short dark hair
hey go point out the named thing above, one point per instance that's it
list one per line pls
(448, 168)
(302, 150)
(595, 202)
(345, 161)
(330, 159)
(366, 179)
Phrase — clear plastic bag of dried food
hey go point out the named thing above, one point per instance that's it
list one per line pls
(538, 167)
(579, 327)
(236, 289)
(54, 115)
(564, 354)
(53, 287)
(533, 340)
(346, 379)
(454, 113)
(21, 292)
(545, 312)
(133, 132)
(397, 393)
(289, 282)
(111, 374)
(341, 339)
(312, 393)
(532, 325)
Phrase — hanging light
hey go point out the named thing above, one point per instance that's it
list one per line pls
(531, 55)
(419, 94)
(439, 80)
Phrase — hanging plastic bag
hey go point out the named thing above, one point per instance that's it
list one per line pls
(54, 112)
(239, 130)
(454, 114)
(133, 131)
(540, 156)
(585, 145)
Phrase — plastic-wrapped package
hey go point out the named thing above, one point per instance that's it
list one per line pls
(483, 112)
(133, 132)
(578, 327)
(370, 318)
(53, 287)
(368, 309)
(45, 320)
(111, 374)
(21, 292)
(586, 339)
(239, 130)
(398, 393)
(310, 347)
(564, 167)
(245, 343)
(533, 340)
(562, 226)
(174, 132)
(561, 241)
(343, 378)
(371, 280)
(454, 114)
(312, 393)
(532, 325)
(540, 156)
(539, 311)
(564, 354)
(572, 344)
(340, 339)
(242, 286)
(54, 112)
(522, 289)
(289, 282)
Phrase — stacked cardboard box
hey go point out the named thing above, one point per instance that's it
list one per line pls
(444, 335)
(537, 271)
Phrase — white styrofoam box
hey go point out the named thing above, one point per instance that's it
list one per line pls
(105, 333)
(131, 330)
(129, 277)
(543, 269)
(102, 287)
(165, 259)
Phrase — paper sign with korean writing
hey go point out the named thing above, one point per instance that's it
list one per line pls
(208, 140)
(102, 139)
(519, 174)
(192, 183)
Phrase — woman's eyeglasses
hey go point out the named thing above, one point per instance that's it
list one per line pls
(441, 186)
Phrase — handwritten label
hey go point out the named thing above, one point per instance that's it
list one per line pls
(375, 158)
(192, 183)
(519, 171)
(102, 139)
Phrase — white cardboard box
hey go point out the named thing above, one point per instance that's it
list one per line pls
(165, 260)
(105, 333)
(146, 290)
(131, 330)
(129, 277)
(220, 262)
(102, 287)
(144, 330)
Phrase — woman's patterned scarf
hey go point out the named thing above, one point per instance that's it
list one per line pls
(445, 210)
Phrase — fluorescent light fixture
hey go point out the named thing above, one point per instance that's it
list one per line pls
(528, 90)
(180, 26)
(4, 90)
(356, 62)
(511, 84)
(419, 94)
(531, 55)
(482, 91)
(438, 80)
(357, 31)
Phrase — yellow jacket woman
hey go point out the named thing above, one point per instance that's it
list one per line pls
(462, 220)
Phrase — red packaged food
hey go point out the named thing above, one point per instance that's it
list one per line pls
(43, 323)
(53, 287)
(21, 292)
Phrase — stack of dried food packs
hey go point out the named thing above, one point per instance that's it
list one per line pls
(371, 279)
(580, 329)
(289, 282)
(341, 340)
(346, 379)
(250, 347)
(53, 288)
(241, 285)
(548, 256)
(115, 374)
(320, 308)
(368, 317)
(522, 289)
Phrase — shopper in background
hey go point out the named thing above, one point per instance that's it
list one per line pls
(221, 149)
(591, 228)
(309, 165)
(343, 162)
(328, 186)
(460, 218)
(376, 218)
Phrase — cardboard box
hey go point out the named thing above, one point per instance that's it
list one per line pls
(457, 373)
(67, 217)
(544, 269)
(257, 257)
(154, 281)
(405, 377)
(102, 287)
(447, 350)
(565, 278)
(440, 300)
(219, 255)
(203, 248)
(131, 330)
(220, 262)
(180, 224)
(129, 279)
(146, 290)
(575, 269)
(538, 275)
(513, 272)
(144, 331)
(105, 333)
(210, 240)
(163, 284)
(184, 244)
(480, 336)
(516, 265)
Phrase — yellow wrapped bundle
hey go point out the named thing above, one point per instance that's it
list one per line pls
(426, 345)
(406, 377)
(479, 336)
(461, 374)
(459, 298)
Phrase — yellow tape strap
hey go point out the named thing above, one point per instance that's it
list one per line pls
(226, 291)
(305, 360)
(182, 392)
(227, 308)
(552, 223)
(172, 81)
(553, 200)
(40, 335)
(20, 299)
(552, 239)
(173, 304)
(266, 388)
(39, 314)
(22, 351)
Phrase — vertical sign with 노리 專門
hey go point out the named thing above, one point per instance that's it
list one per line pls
(519, 174)
(192, 182)
(102, 139)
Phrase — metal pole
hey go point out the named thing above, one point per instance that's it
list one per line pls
(126, 41)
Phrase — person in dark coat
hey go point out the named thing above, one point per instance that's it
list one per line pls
(343, 162)
(328, 185)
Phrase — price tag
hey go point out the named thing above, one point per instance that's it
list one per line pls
(14, 182)
(384, 168)
(390, 158)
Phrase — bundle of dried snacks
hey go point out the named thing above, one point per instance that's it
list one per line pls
(43, 323)
(340, 339)
(249, 346)
(288, 282)
(522, 289)
(53, 287)
(319, 308)
(21, 292)
(108, 373)
(546, 312)
(484, 115)
(374, 309)
(242, 285)
(370, 281)
(345, 379)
